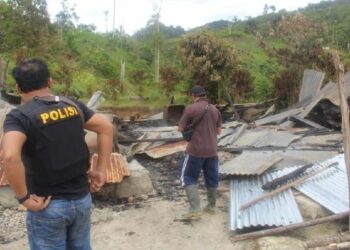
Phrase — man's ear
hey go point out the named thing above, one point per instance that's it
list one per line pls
(18, 89)
(49, 82)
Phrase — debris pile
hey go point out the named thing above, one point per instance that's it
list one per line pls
(271, 160)
(300, 147)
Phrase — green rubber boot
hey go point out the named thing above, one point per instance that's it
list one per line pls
(211, 196)
(193, 199)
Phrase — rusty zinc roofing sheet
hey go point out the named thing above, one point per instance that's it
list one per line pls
(280, 210)
(329, 188)
(167, 149)
(117, 170)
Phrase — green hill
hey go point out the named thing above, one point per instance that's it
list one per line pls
(261, 58)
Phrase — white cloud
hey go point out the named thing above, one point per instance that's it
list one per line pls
(134, 14)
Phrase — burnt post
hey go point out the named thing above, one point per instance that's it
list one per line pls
(344, 114)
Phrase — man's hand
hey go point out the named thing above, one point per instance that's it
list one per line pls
(36, 203)
(96, 179)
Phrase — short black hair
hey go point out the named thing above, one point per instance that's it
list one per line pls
(31, 74)
(198, 91)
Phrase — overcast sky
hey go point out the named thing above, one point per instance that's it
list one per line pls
(134, 14)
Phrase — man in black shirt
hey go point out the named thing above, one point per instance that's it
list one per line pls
(46, 160)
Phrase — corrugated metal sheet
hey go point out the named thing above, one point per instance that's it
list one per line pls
(280, 210)
(140, 148)
(116, 171)
(265, 138)
(301, 157)
(329, 188)
(330, 91)
(166, 149)
(226, 139)
(250, 163)
(278, 118)
(311, 83)
(231, 138)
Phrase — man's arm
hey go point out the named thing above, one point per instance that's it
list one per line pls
(184, 120)
(218, 123)
(104, 130)
(180, 129)
(12, 144)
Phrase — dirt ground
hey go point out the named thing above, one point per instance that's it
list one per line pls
(151, 222)
(153, 225)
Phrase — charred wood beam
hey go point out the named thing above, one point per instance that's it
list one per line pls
(271, 185)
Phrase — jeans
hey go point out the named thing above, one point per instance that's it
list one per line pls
(64, 224)
(192, 166)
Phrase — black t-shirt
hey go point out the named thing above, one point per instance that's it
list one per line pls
(73, 188)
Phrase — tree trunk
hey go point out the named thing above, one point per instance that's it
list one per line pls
(345, 116)
(2, 85)
(122, 75)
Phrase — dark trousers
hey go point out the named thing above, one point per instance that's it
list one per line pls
(191, 167)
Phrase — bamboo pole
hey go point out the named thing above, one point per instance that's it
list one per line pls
(288, 228)
(285, 187)
(345, 115)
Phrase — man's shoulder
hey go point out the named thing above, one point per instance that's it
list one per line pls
(15, 112)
